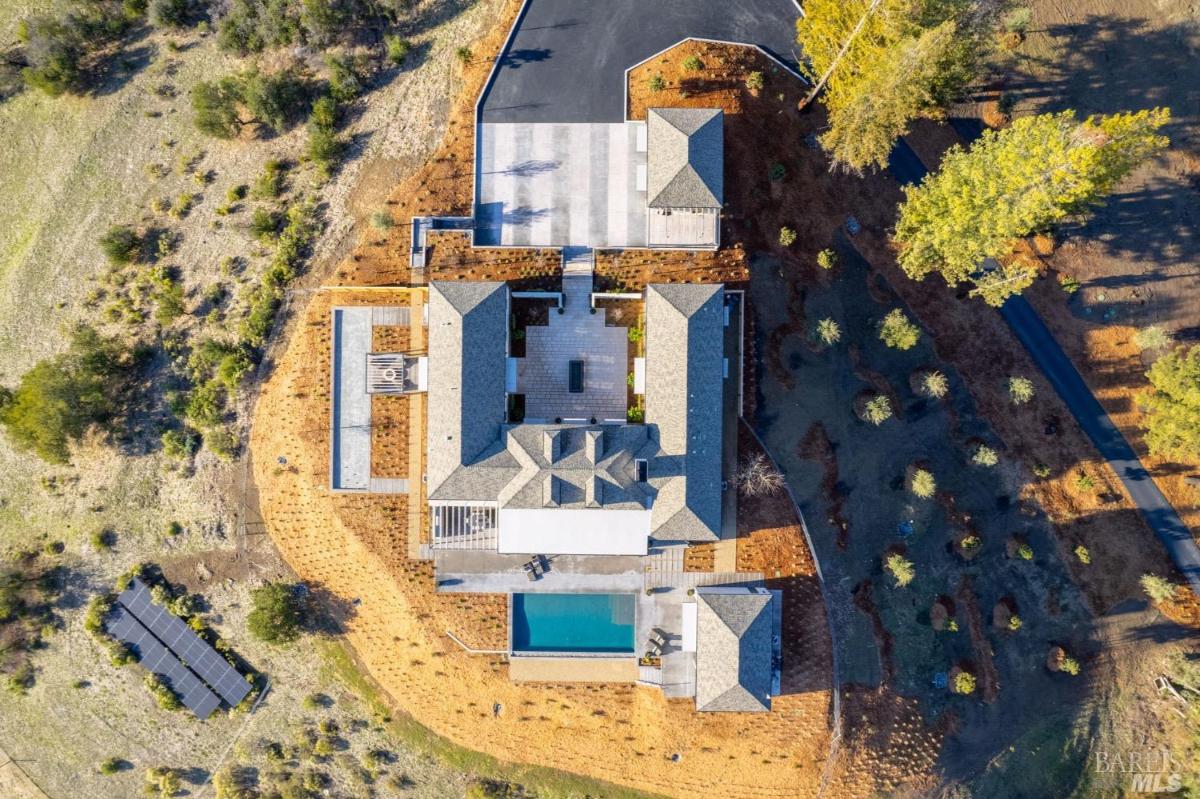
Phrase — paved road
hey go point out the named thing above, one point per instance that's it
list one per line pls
(567, 60)
(1084, 406)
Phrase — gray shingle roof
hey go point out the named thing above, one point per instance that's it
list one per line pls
(733, 651)
(466, 394)
(684, 382)
(685, 157)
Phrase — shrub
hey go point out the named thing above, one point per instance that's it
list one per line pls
(1159, 589)
(1017, 20)
(657, 84)
(264, 223)
(278, 100)
(324, 149)
(922, 484)
(898, 332)
(1082, 553)
(1068, 284)
(215, 107)
(1152, 338)
(120, 244)
(103, 540)
(1040, 470)
(170, 13)
(754, 81)
(1025, 552)
(382, 220)
(223, 443)
(787, 236)
(163, 781)
(1069, 665)
(693, 63)
(984, 456)
(935, 385)
(54, 51)
(964, 683)
(1014, 622)
(277, 613)
(776, 172)
(111, 766)
(901, 569)
(206, 405)
(1020, 389)
(237, 193)
(269, 184)
(166, 698)
(178, 444)
(397, 48)
(829, 332)
(877, 410)
(971, 541)
(827, 259)
(1084, 481)
(756, 477)
(463, 54)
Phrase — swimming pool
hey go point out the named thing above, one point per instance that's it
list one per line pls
(572, 623)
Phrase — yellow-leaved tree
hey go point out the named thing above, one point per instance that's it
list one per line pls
(884, 63)
(1011, 183)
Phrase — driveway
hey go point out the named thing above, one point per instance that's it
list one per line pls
(1084, 406)
(567, 59)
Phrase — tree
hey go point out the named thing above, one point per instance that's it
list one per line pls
(877, 410)
(170, 13)
(1159, 589)
(1172, 408)
(756, 477)
(964, 683)
(922, 483)
(901, 569)
(787, 236)
(935, 385)
(883, 63)
(215, 105)
(898, 332)
(54, 51)
(61, 397)
(985, 456)
(278, 100)
(277, 613)
(1012, 183)
(827, 259)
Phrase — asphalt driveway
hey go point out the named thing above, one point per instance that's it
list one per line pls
(567, 60)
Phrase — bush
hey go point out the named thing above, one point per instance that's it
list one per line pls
(756, 477)
(755, 81)
(1082, 553)
(1014, 623)
(1020, 389)
(61, 397)
(657, 84)
(170, 13)
(1152, 338)
(111, 766)
(264, 223)
(277, 613)
(787, 236)
(935, 385)
(163, 694)
(877, 410)
(398, 49)
(901, 569)
(693, 63)
(324, 150)
(1159, 589)
(120, 244)
(922, 483)
(984, 456)
(1025, 552)
(278, 100)
(1172, 409)
(1069, 665)
(898, 332)
(382, 220)
(163, 781)
(827, 259)
(54, 51)
(1068, 284)
(829, 332)
(270, 182)
(463, 54)
(215, 106)
(1017, 20)
(964, 683)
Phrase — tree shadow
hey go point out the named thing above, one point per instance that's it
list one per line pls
(327, 613)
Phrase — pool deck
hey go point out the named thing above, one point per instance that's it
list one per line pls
(572, 669)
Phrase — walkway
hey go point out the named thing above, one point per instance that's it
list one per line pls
(1086, 409)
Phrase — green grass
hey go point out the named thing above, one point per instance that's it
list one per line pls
(546, 783)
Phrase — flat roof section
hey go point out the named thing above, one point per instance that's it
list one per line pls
(559, 185)
(351, 424)
(566, 60)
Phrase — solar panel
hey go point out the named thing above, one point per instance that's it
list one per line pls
(190, 648)
(156, 658)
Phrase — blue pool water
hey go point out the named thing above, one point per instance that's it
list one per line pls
(572, 623)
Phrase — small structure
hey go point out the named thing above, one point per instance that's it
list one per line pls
(685, 185)
(734, 648)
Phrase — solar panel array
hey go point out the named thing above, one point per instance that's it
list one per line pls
(168, 647)
(158, 659)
